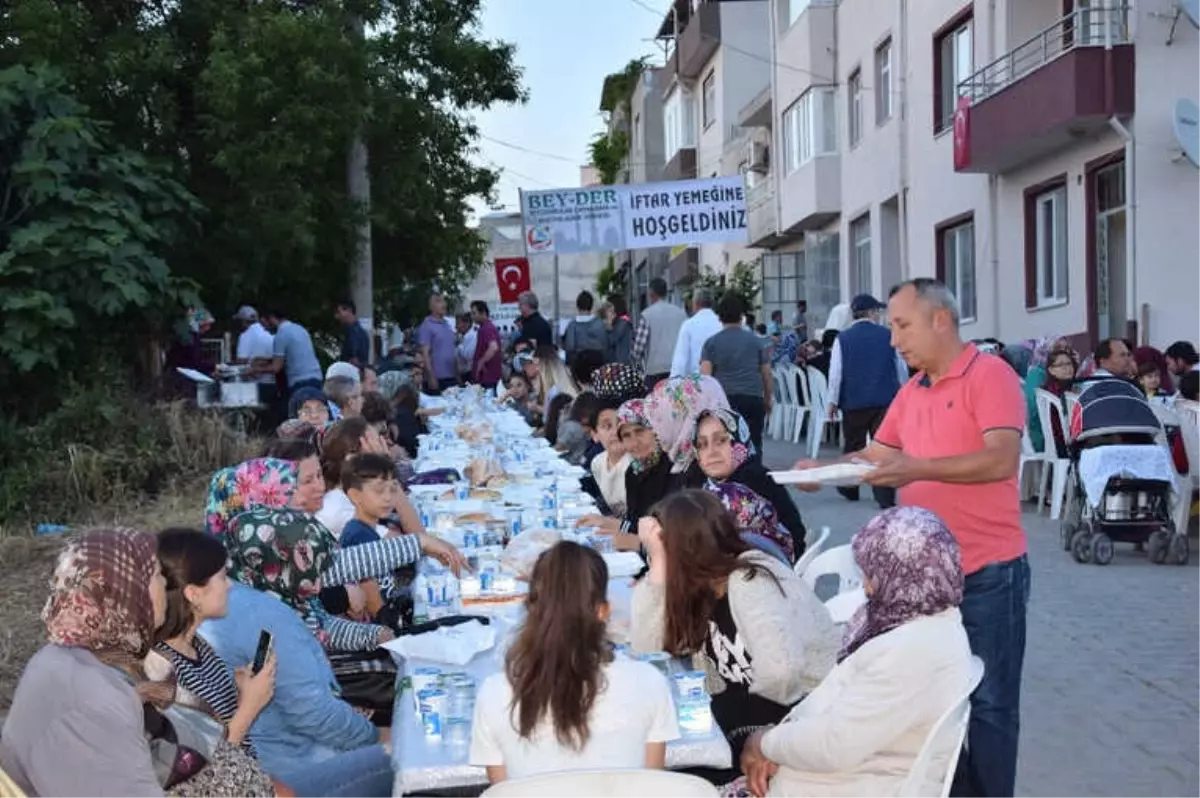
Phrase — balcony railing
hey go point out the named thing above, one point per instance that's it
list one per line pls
(1083, 27)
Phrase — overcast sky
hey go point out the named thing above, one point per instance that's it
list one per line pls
(565, 47)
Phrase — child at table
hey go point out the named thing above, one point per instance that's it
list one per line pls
(369, 481)
(609, 466)
(564, 702)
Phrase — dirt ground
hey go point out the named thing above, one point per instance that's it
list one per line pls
(27, 563)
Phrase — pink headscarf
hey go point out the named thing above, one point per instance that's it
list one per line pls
(673, 410)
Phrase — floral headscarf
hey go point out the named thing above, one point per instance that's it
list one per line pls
(391, 381)
(914, 567)
(754, 515)
(1040, 349)
(100, 600)
(618, 382)
(672, 410)
(281, 552)
(634, 412)
(739, 433)
(265, 482)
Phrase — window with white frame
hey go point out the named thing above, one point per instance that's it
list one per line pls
(860, 255)
(958, 266)
(854, 107)
(1050, 238)
(708, 99)
(679, 123)
(809, 128)
(954, 53)
(883, 82)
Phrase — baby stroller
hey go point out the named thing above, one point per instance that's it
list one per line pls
(1123, 478)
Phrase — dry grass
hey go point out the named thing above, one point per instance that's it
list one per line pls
(27, 562)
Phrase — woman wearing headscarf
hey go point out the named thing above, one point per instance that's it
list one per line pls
(726, 456)
(1148, 354)
(85, 720)
(1053, 367)
(657, 434)
(278, 560)
(905, 660)
(240, 497)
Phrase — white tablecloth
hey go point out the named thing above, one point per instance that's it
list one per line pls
(421, 763)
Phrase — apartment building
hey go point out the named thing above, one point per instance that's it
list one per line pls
(645, 165)
(718, 61)
(1021, 150)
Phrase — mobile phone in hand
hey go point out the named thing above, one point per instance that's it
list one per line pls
(266, 643)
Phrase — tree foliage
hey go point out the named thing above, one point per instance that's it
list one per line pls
(253, 106)
(742, 279)
(608, 153)
(86, 228)
(610, 280)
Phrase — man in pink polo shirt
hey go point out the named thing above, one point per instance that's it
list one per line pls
(951, 442)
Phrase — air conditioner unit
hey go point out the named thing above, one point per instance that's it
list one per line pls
(759, 157)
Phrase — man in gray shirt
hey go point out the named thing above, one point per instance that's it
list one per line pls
(738, 360)
(294, 354)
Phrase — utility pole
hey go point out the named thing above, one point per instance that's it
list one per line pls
(358, 184)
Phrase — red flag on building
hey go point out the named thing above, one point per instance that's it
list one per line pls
(962, 134)
(512, 276)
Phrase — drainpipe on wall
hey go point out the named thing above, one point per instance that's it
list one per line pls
(776, 153)
(1131, 314)
(902, 123)
(994, 195)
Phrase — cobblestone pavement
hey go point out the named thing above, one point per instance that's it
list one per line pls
(1111, 693)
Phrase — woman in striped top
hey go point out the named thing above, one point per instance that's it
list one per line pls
(193, 564)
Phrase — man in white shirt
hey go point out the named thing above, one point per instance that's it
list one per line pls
(703, 325)
(256, 345)
(468, 335)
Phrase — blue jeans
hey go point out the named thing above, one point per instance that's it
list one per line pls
(361, 772)
(993, 612)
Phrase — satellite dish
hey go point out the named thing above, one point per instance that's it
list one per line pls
(1192, 9)
(1186, 122)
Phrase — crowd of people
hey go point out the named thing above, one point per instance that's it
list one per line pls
(147, 687)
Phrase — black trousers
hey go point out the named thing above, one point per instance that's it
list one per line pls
(856, 425)
(754, 410)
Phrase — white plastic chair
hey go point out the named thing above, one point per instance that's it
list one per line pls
(775, 419)
(818, 390)
(1031, 457)
(1055, 469)
(946, 735)
(838, 560)
(793, 411)
(603, 784)
(1189, 428)
(811, 550)
(843, 606)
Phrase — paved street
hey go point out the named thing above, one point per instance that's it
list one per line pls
(1111, 696)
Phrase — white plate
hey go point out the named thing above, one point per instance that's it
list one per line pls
(838, 475)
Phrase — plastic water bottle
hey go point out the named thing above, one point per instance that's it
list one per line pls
(420, 594)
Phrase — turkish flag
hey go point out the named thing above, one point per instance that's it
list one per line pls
(962, 134)
(512, 275)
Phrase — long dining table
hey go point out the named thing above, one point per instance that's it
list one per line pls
(422, 763)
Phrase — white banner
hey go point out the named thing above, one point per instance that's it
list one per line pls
(640, 216)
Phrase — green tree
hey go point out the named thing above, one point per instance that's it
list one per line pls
(85, 230)
(254, 106)
(610, 280)
(742, 279)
